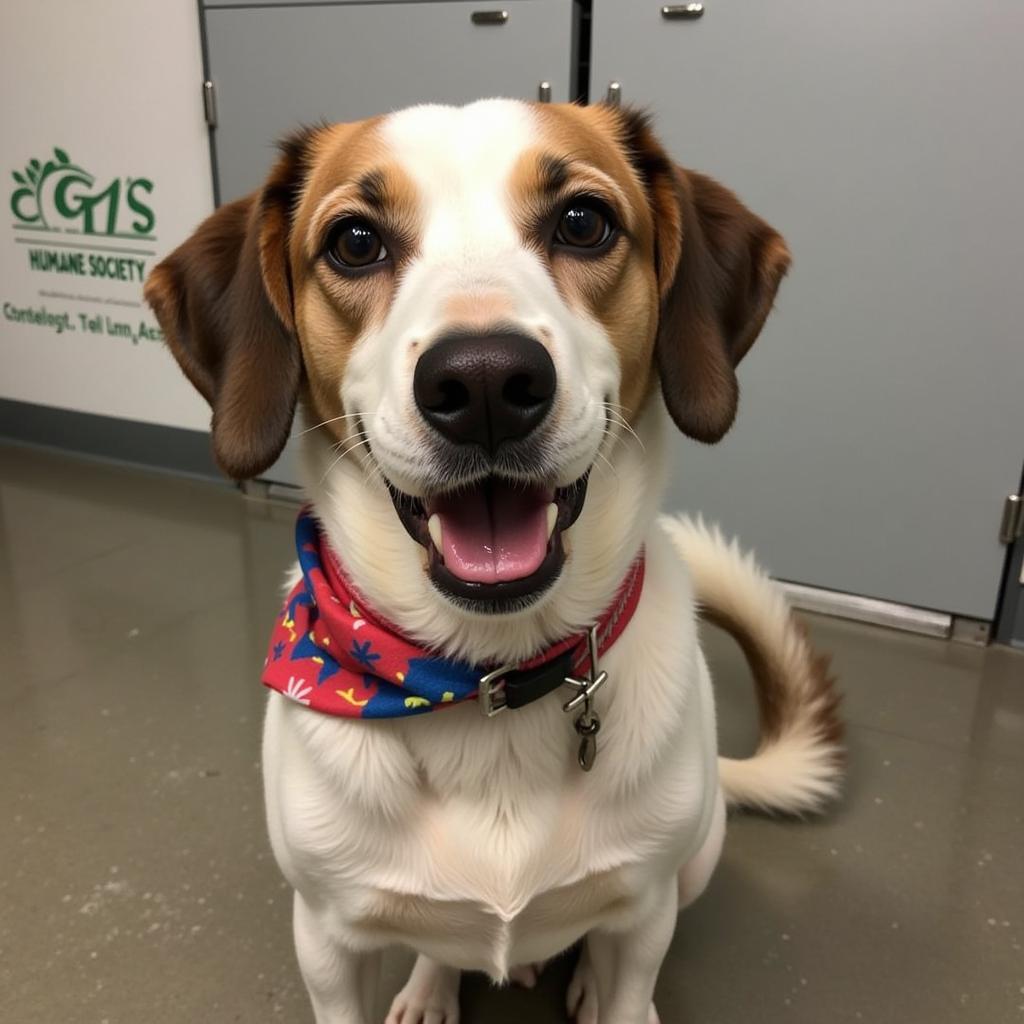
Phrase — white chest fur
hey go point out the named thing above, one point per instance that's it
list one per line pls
(481, 842)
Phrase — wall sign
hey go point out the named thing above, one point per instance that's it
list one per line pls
(71, 224)
(104, 172)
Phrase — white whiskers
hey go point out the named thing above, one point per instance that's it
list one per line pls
(333, 419)
(613, 411)
(364, 439)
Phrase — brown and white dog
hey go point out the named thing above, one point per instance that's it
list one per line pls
(477, 310)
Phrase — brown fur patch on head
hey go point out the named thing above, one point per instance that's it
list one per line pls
(657, 174)
(580, 154)
(353, 176)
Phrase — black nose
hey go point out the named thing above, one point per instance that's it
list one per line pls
(485, 390)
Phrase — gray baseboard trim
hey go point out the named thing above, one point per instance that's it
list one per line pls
(870, 610)
(106, 437)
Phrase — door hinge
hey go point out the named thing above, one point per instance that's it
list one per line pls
(210, 104)
(1012, 526)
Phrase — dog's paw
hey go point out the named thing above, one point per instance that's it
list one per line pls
(526, 975)
(581, 999)
(430, 996)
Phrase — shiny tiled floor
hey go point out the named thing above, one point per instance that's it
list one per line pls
(136, 886)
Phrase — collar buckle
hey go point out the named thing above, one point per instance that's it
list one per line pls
(493, 699)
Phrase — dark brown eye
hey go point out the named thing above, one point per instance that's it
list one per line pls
(584, 225)
(354, 244)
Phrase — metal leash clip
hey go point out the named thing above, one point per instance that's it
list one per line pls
(587, 723)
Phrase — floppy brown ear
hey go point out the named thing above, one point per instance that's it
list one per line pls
(224, 301)
(719, 267)
(730, 266)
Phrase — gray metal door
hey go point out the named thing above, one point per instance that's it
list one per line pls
(275, 68)
(880, 425)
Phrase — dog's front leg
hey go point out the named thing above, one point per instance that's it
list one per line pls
(341, 982)
(614, 982)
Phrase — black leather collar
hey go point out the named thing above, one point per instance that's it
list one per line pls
(524, 686)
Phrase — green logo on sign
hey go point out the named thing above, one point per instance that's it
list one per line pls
(58, 194)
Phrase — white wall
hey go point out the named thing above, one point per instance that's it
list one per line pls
(116, 86)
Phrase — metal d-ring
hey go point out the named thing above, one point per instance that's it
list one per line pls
(586, 688)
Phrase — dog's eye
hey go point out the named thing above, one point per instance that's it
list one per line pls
(353, 244)
(585, 224)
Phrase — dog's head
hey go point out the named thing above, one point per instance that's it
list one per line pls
(473, 306)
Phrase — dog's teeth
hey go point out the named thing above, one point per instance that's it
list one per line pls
(434, 527)
(552, 518)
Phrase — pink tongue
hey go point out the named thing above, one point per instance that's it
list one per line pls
(494, 533)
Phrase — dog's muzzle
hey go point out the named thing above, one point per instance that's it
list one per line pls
(493, 529)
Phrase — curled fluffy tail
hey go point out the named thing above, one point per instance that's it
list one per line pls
(797, 767)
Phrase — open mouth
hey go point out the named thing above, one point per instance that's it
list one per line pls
(494, 545)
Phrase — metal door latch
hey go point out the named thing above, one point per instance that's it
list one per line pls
(685, 11)
(489, 17)
(209, 104)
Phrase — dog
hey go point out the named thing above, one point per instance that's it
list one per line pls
(490, 317)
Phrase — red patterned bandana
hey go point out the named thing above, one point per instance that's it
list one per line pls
(329, 652)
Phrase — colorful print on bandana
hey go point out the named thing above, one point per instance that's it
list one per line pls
(325, 654)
